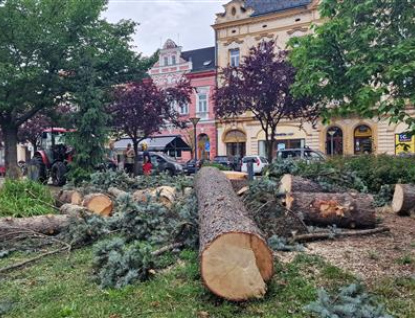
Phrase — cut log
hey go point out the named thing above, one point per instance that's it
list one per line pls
(235, 260)
(45, 224)
(243, 190)
(345, 210)
(98, 203)
(403, 201)
(72, 209)
(290, 183)
(69, 196)
(235, 175)
(115, 192)
(329, 235)
(165, 195)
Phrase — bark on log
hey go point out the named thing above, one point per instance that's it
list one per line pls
(403, 201)
(345, 210)
(69, 196)
(290, 183)
(98, 203)
(234, 257)
(45, 224)
(326, 235)
(115, 192)
(165, 195)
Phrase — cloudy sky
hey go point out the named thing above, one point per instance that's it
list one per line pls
(187, 22)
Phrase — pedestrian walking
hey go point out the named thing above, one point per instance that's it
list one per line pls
(129, 156)
(147, 165)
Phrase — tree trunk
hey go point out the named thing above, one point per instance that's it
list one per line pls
(45, 224)
(345, 210)
(98, 203)
(290, 183)
(116, 192)
(135, 147)
(10, 142)
(403, 201)
(235, 259)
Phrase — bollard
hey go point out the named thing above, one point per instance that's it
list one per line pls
(250, 168)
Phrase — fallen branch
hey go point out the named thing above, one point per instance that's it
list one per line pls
(29, 261)
(326, 235)
(167, 248)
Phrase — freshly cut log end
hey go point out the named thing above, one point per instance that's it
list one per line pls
(235, 175)
(290, 183)
(236, 266)
(403, 201)
(235, 259)
(98, 203)
(165, 195)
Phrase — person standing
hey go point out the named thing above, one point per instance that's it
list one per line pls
(147, 165)
(129, 156)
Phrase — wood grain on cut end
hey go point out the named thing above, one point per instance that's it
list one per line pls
(403, 201)
(98, 203)
(236, 266)
(235, 175)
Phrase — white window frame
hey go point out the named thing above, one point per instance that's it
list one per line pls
(202, 112)
(173, 60)
(235, 59)
(166, 61)
(184, 109)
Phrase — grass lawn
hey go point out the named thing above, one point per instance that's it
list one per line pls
(63, 286)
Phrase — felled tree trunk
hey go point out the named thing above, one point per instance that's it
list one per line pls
(69, 196)
(44, 224)
(290, 183)
(98, 203)
(346, 210)
(235, 260)
(116, 192)
(403, 201)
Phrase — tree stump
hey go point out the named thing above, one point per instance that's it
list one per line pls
(290, 183)
(403, 201)
(235, 260)
(98, 203)
(346, 210)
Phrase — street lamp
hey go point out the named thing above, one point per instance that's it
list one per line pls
(331, 133)
(194, 121)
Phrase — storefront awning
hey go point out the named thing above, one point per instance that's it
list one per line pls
(157, 143)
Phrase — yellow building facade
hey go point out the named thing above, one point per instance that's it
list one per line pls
(245, 23)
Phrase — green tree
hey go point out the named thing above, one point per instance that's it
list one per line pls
(361, 60)
(52, 50)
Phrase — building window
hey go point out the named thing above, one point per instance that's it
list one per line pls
(202, 105)
(334, 141)
(234, 57)
(166, 61)
(363, 140)
(235, 141)
(173, 60)
(183, 109)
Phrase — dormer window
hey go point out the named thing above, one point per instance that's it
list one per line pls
(173, 60)
(233, 11)
(166, 61)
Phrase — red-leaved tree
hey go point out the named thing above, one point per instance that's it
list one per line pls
(261, 85)
(142, 109)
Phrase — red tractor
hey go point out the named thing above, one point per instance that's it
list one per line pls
(51, 158)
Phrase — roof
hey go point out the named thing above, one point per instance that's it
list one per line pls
(202, 59)
(262, 7)
(157, 143)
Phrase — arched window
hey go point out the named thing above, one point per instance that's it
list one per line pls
(363, 141)
(235, 141)
(334, 141)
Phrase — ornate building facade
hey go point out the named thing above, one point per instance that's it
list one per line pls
(198, 66)
(245, 23)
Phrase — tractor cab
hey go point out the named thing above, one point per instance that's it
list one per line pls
(52, 157)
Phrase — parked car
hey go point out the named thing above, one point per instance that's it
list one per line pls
(163, 163)
(223, 160)
(301, 154)
(189, 166)
(259, 163)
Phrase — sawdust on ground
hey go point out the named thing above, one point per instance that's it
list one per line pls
(371, 257)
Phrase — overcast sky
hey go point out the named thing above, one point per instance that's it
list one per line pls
(187, 22)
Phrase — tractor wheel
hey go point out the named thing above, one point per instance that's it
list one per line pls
(58, 174)
(36, 170)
